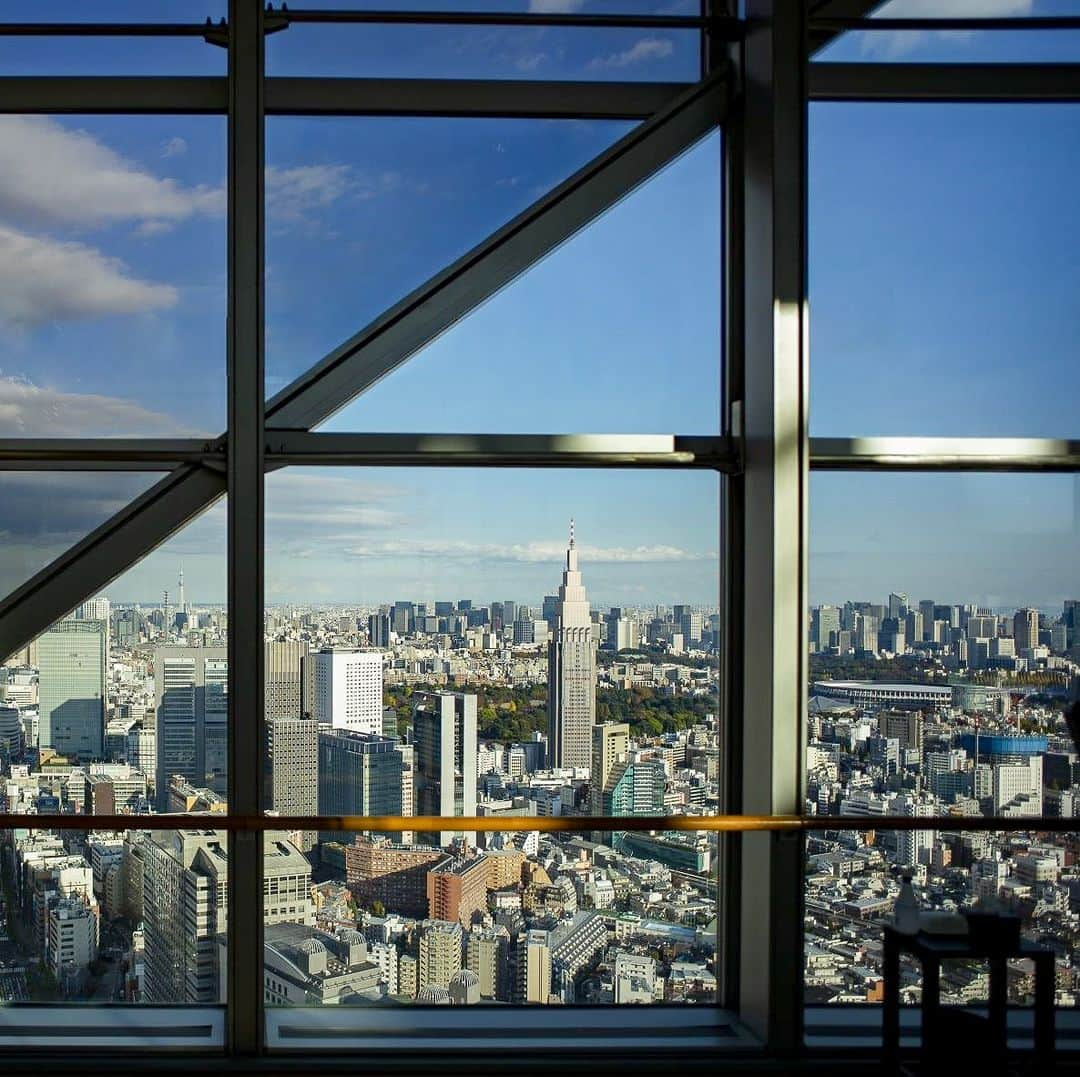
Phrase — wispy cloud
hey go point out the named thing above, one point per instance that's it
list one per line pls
(28, 410)
(44, 280)
(643, 51)
(293, 193)
(51, 174)
(892, 44)
(174, 147)
(555, 7)
(523, 553)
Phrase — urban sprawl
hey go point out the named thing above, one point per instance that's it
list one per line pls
(506, 710)
(916, 709)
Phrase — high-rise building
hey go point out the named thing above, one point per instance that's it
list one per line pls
(359, 774)
(824, 623)
(444, 731)
(441, 945)
(349, 689)
(191, 695)
(457, 889)
(292, 760)
(1026, 629)
(71, 689)
(379, 628)
(184, 904)
(487, 954)
(610, 747)
(898, 605)
(403, 618)
(283, 693)
(377, 869)
(97, 609)
(571, 671)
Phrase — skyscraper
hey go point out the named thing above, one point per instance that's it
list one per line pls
(292, 759)
(1026, 629)
(610, 746)
(359, 774)
(349, 689)
(192, 701)
(444, 728)
(284, 697)
(571, 671)
(71, 689)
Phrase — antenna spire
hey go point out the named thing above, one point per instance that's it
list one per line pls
(571, 532)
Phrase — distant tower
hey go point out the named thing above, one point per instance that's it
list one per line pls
(183, 605)
(165, 612)
(571, 671)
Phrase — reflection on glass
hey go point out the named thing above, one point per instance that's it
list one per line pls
(362, 211)
(635, 293)
(45, 513)
(112, 263)
(523, 917)
(120, 708)
(941, 661)
(942, 269)
(105, 917)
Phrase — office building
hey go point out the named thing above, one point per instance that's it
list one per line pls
(571, 671)
(191, 686)
(1026, 630)
(349, 689)
(71, 689)
(610, 748)
(292, 762)
(358, 774)
(392, 874)
(444, 731)
(457, 889)
(283, 665)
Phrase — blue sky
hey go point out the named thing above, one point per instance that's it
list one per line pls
(943, 276)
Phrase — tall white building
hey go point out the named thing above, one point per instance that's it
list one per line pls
(571, 671)
(71, 689)
(349, 690)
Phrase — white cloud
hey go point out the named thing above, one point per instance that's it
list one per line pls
(29, 410)
(555, 7)
(43, 280)
(894, 43)
(52, 174)
(648, 48)
(174, 147)
(292, 193)
(524, 553)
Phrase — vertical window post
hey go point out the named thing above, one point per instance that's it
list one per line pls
(246, 445)
(773, 132)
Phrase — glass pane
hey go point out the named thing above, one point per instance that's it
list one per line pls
(112, 276)
(942, 269)
(45, 513)
(960, 46)
(941, 661)
(101, 918)
(527, 918)
(392, 667)
(361, 212)
(853, 883)
(375, 50)
(618, 330)
(120, 708)
(174, 55)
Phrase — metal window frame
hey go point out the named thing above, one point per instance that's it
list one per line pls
(758, 89)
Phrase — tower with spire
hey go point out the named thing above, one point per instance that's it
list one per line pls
(571, 670)
(183, 604)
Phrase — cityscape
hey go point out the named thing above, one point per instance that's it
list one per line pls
(922, 708)
(508, 709)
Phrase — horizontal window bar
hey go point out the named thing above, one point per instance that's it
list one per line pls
(495, 824)
(405, 450)
(723, 26)
(94, 94)
(106, 29)
(468, 97)
(501, 450)
(944, 454)
(944, 82)
(84, 454)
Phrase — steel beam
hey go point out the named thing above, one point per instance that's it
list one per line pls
(518, 99)
(773, 497)
(105, 553)
(834, 9)
(247, 163)
(1001, 83)
(499, 450)
(99, 94)
(106, 454)
(415, 321)
(944, 454)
